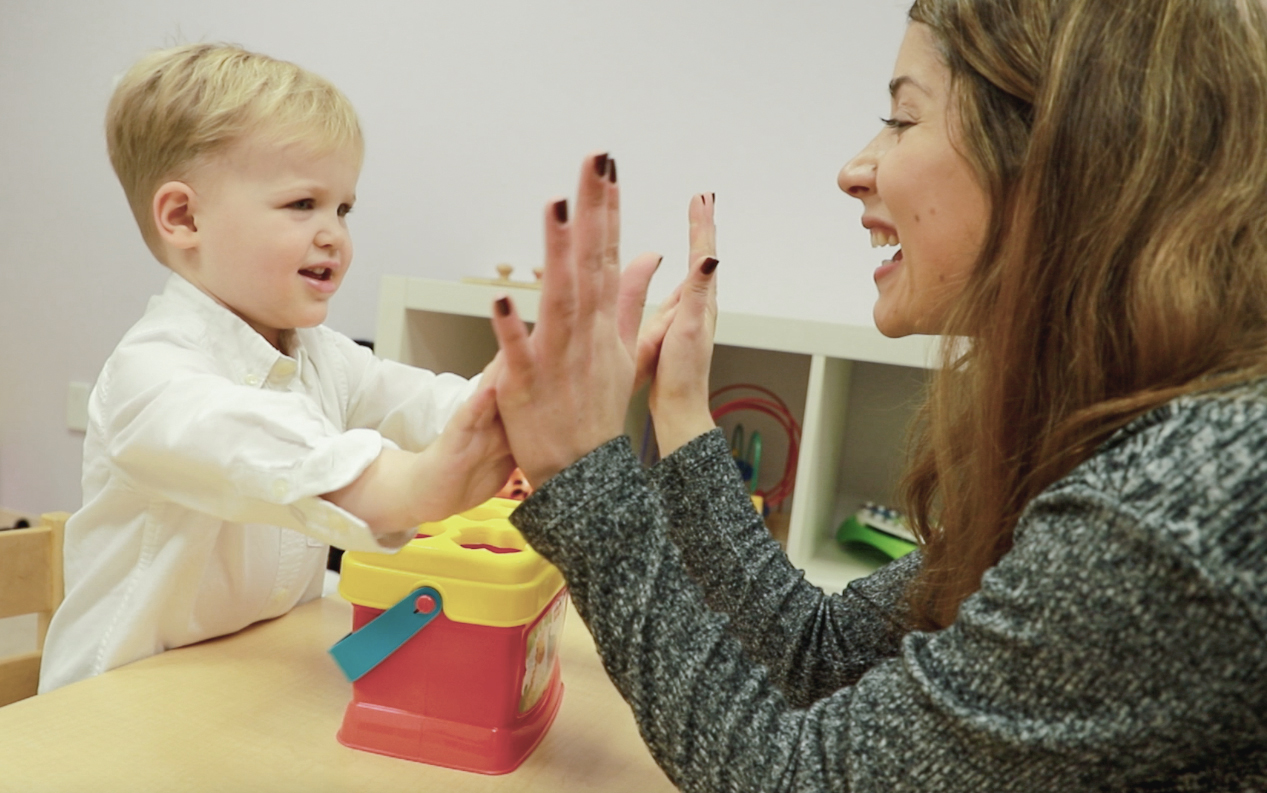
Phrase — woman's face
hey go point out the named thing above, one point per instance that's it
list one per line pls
(918, 191)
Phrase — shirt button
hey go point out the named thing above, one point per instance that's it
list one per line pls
(280, 488)
(251, 380)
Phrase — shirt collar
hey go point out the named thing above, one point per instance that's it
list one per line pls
(251, 359)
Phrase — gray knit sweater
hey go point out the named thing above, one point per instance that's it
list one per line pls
(1120, 645)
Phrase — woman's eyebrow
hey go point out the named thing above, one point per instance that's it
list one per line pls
(896, 84)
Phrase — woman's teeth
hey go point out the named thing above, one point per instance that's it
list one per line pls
(880, 239)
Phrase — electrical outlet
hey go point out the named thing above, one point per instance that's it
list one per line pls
(77, 406)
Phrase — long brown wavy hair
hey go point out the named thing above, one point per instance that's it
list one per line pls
(1123, 146)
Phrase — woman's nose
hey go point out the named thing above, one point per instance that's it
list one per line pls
(857, 177)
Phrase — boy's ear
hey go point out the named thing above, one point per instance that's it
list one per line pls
(174, 205)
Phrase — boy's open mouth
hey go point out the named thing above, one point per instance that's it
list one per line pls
(318, 273)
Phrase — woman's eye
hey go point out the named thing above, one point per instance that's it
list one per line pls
(344, 209)
(893, 123)
(303, 203)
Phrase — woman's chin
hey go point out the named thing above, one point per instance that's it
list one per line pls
(889, 322)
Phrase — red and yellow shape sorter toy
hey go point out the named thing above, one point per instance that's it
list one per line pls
(453, 654)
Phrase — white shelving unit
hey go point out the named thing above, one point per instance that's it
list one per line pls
(852, 390)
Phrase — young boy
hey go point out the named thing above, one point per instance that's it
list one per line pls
(231, 437)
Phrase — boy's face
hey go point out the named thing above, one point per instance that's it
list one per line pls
(273, 243)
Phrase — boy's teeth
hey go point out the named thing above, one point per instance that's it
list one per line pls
(880, 239)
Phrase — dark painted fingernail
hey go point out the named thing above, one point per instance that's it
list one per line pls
(503, 306)
(561, 211)
(611, 170)
(657, 264)
(708, 266)
(600, 165)
(714, 195)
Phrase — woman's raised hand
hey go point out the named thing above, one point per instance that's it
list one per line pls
(676, 345)
(563, 389)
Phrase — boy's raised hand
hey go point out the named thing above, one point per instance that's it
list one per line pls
(465, 466)
(564, 389)
(470, 461)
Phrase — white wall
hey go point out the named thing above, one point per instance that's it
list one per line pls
(476, 113)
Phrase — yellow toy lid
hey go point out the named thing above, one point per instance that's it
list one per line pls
(483, 568)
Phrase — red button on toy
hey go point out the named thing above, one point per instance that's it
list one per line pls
(425, 604)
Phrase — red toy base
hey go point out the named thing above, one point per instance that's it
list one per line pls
(450, 744)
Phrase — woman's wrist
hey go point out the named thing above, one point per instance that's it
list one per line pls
(675, 430)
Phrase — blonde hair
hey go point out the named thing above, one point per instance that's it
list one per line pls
(177, 107)
(1124, 148)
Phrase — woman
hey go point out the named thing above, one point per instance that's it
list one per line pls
(1078, 187)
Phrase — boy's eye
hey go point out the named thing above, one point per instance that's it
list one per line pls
(303, 203)
(344, 209)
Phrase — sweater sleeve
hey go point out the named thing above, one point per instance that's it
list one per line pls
(1091, 658)
(812, 643)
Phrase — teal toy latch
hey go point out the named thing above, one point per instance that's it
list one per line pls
(362, 650)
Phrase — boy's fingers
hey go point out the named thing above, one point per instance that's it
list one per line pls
(650, 340)
(488, 377)
(631, 296)
(483, 406)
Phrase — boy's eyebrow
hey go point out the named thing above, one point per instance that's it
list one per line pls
(896, 84)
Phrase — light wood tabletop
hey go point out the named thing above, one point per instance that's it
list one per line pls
(259, 710)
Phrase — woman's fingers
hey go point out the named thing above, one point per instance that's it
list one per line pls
(558, 277)
(564, 388)
(699, 293)
(703, 235)
(700, 287)
(679, 393)
(612, 281)
(589, 234)
(512, 368)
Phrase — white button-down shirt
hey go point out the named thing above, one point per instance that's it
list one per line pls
(206, 455)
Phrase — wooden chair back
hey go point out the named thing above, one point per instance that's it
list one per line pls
(30, 583)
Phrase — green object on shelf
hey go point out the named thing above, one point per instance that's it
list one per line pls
(854, 535)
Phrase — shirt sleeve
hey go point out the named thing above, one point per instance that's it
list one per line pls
(176, 430)
(812, 643)
(1091, 658)
(406, 404)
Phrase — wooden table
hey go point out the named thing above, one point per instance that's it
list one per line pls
(258, 711)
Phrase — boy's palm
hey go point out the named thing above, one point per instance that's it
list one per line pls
(470, 461)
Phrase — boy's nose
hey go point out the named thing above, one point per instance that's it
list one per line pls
(857, 177)
(331, 236)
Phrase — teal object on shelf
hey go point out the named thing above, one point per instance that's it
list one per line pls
(853, 534)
